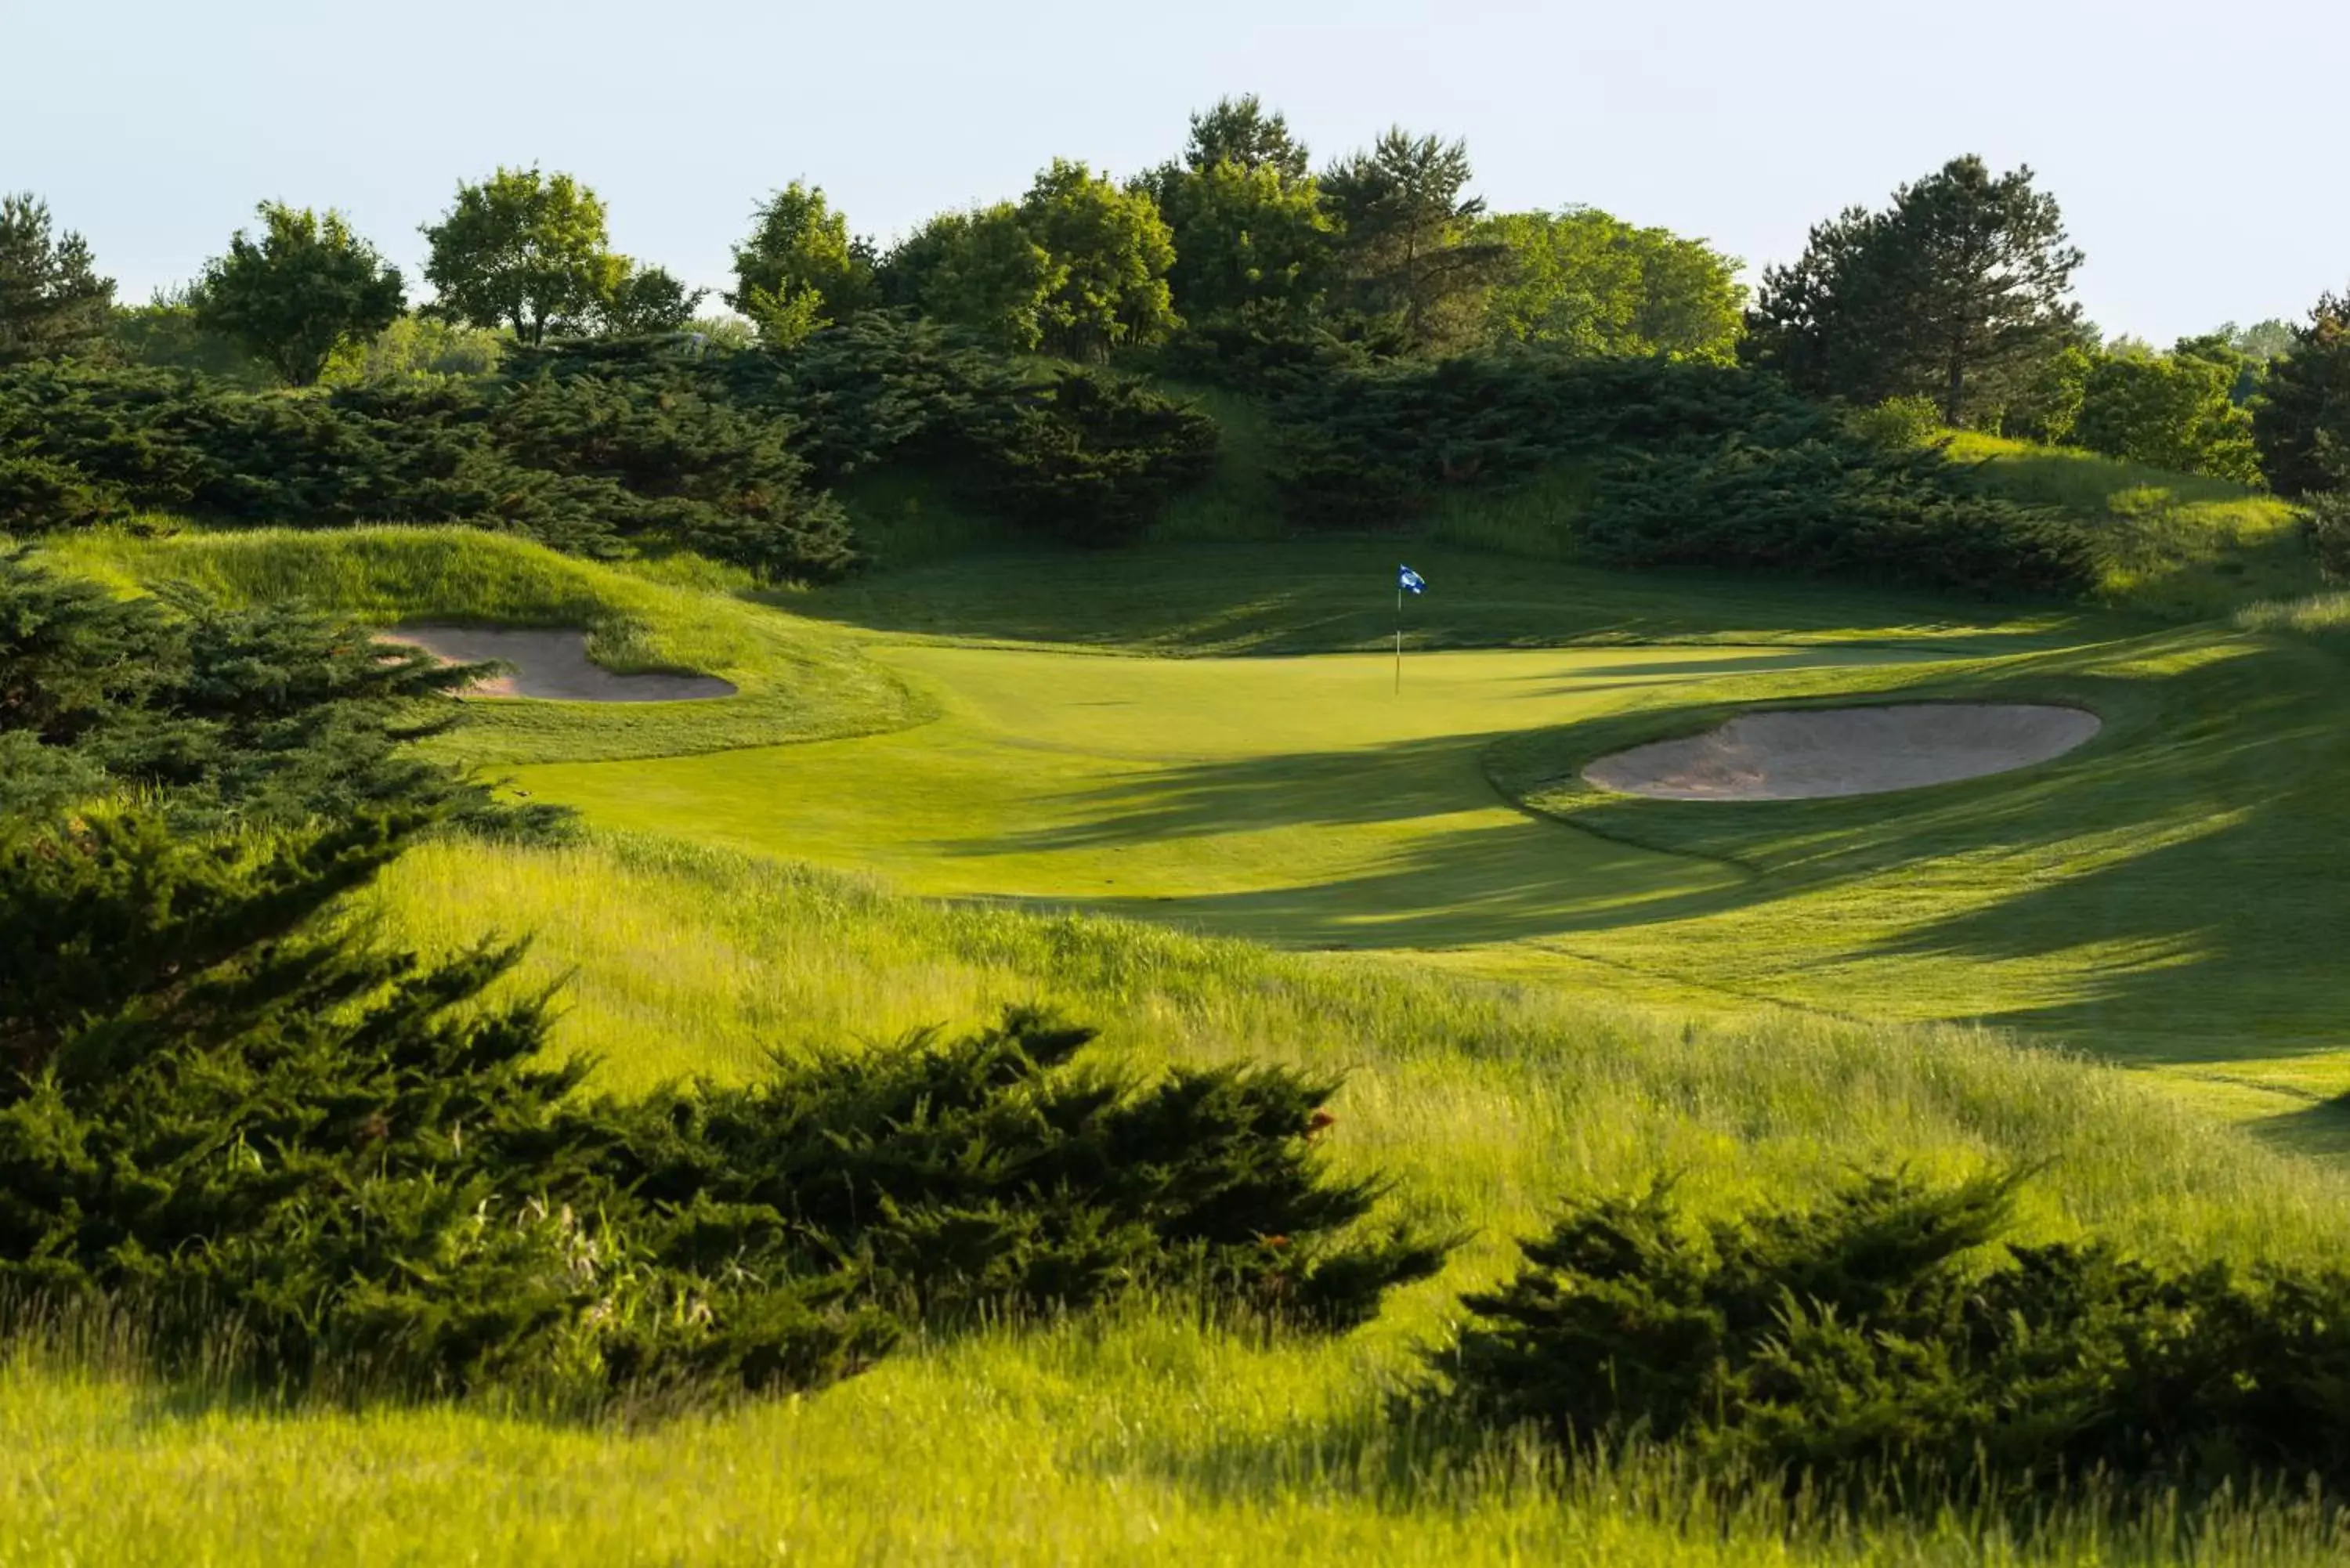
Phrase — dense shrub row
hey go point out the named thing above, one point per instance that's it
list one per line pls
(1695, 465)
(594, 467)
(285, 1145)
(602, 447)
(1080, 454)
(1889, 1336)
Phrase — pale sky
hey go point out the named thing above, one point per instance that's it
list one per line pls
(2197, 148)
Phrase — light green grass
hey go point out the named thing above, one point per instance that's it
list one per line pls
(1151, 1438)
(2162, 897)
(795, 679)
(2184, 546)
(1531, 1007)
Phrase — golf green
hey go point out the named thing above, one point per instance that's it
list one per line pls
(1304, 801)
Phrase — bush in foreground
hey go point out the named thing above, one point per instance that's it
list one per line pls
(1889, 1335)
(227, 1111)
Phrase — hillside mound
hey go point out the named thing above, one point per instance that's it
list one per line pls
(1809, 754)
(550, 663)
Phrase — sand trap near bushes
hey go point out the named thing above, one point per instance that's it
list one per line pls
(549, 663)
(1817, 753)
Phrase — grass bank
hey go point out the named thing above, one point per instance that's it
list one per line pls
(1154, 1437)
(2183, 547)
(797, 680)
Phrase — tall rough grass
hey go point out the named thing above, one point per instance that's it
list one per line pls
(2183, 547)
(1156, 1436)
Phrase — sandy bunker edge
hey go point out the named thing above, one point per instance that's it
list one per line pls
(1813, 753)
(549, 662)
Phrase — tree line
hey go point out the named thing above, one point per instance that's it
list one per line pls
(1239, 260)
(1385, 246)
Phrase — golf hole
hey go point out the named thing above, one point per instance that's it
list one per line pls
(1813, 753)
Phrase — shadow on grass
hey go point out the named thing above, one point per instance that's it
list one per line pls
(1338, 593)
(2174, 892)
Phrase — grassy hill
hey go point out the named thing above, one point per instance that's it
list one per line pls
(1156, 1436)
(1004, 774)
(2184, 546)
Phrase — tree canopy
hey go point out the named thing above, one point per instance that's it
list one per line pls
(298, 293)
(1958, 291)
(52, 300)
(1409, 251)
(1592, 283)
(799, 269)
(2302, 425)
(1241, 132)
(524, 250)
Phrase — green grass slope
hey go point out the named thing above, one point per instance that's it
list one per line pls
(2154, 896)
(797, 680)
(2183, 547)
(1155, 1438)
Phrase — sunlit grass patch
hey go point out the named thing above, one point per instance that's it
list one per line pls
(796, 679)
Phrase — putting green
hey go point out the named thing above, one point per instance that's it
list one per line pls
(1301, 801)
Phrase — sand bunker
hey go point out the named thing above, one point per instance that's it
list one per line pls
(1844, 751)
(550, 664)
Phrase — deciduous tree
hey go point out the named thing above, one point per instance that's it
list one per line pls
(977, 269)
(1111, 252)
(304, 288)
(52, 300)
(648, 299)
(1592, 283)
(2169, 410)
(524, 250)
(800, 269)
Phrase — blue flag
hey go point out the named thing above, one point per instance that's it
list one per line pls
(1407, 578)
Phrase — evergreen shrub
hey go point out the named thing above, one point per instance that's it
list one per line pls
(1891, 1338)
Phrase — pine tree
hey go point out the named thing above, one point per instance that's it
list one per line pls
(1407, 241)
(2302, 425)
(52, 301)
(1957, 292)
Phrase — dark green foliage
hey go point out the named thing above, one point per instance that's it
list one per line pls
(2329, 531)
(1830, 505)
(52, 301)
(886, 386)
(1078, 454)
(1090, 458)
(41, 492)
(261, 717)
(648, 299)
(307, 286)
(2303, 423)
(1696, 465)
(1408, 250)
(295, 1153)
(1887, 1334)
(647, 459)
(1373, 447)
(1957, 291)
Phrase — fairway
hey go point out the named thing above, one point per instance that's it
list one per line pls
(2147, 897)
(1305, 800)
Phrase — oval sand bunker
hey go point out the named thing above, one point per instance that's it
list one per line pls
(1821, 752)
(546, 663)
